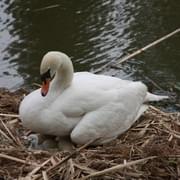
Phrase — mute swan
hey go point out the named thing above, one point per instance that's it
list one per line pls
(82, 105)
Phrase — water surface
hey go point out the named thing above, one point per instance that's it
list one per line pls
(92, 33)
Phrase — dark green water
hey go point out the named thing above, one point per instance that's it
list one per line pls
(92, 33)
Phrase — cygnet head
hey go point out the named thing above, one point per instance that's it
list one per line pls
(33, 141)
(51, 62)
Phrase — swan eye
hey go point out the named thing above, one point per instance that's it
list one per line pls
(46, 76)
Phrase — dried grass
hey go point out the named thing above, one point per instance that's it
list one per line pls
(149, 150)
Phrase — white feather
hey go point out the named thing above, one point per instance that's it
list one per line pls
(83, 105)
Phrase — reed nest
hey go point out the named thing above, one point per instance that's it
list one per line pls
(150, 149)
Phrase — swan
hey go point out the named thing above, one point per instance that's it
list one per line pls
(82, 105)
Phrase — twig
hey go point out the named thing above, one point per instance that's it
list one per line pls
(143, 131)
(34, 171)
(16, 159)
(53, 161)
(22, 178)
(6, 136)
(176, 156)
(158, 110)
(170, 138)
(84, 168)
(71, 167)
(72, 154)
(14, 121)
(115, 168)
(66, 158)
(154, 83)
(9, 132)
(9, 115)
(47, 7)
(172, 132)
(148, 141)
(44, 175)
(149, 46)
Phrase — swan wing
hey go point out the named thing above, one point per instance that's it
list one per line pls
(112, 119)
(89, 92)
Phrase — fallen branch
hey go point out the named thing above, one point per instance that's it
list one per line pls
(9, 115)
(16, 159)
(115, 168)
(149, 46)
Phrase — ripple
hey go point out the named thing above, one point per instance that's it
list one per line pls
(93, 33)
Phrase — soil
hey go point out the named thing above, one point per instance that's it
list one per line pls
(154, 140)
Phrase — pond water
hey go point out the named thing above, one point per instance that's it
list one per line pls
(92, 33)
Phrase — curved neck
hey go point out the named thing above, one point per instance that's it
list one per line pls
(64, 75)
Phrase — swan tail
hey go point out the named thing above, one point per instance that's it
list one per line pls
(153, 97)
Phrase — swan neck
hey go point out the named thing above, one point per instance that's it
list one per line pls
(64, 75)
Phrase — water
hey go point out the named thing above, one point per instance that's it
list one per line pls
(92, 33)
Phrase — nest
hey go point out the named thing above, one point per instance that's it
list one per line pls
(149, 150)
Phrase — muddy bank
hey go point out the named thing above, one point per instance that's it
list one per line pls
(149, 150)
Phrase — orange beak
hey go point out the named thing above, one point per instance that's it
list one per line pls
(45, 87)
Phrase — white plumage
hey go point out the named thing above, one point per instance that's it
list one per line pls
(83, 105)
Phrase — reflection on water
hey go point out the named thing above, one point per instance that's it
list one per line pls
(92, 33)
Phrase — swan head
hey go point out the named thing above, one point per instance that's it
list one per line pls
(51, 62)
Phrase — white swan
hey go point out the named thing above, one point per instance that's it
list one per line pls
(83, 105)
